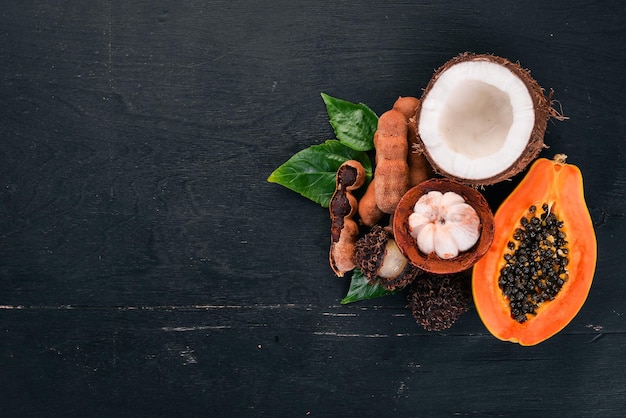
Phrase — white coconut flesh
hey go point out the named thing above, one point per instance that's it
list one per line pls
(476, 120)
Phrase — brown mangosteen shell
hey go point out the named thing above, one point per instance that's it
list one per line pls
(543, 112)
(431, 262)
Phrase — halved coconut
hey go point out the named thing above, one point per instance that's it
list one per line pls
(481, 119)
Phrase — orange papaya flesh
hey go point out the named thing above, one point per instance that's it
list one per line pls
(560, 187)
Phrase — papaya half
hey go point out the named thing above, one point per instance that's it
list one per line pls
(537, 273)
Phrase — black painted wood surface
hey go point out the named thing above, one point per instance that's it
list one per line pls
(148, 269)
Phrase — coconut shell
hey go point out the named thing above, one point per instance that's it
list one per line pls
(543, 112)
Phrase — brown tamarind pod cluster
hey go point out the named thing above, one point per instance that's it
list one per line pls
(344, 231)
(369, 212)
(392, 170)
(419, 168)
(399, 164)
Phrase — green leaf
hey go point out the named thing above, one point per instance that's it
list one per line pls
(361, 289)
(354, 124)
(311, 172)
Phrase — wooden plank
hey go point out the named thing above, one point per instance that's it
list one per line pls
(294, 360)
(148, 268)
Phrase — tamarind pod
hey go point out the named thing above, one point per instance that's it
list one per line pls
(369, 213)
(344, 231)
(342, 254)
(391, 185)
(406, 105)
(392, 171)
(419, 168)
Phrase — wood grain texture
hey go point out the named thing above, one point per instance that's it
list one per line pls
(147, 267)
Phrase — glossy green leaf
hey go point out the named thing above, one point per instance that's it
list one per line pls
(361, 289)
(311, 172)
(354, 124)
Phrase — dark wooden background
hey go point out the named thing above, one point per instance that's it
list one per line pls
(148, 269)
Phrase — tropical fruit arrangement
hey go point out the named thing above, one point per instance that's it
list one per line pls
(407, 210)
